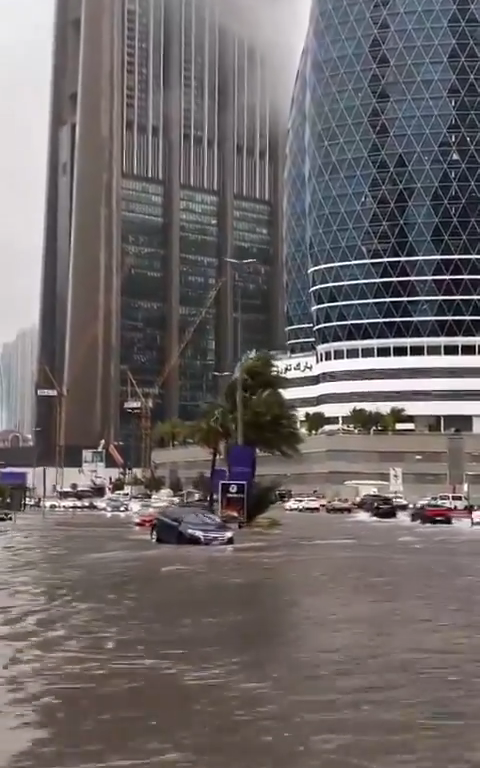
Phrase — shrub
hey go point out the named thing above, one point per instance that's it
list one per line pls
(154, 483)
(261, 497)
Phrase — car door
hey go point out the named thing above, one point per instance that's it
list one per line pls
(171, 523)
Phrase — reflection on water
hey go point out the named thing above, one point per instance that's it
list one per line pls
(332, 644)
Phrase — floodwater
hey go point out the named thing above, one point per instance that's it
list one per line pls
(333, 643)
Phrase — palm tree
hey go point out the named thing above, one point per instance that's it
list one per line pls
(168, 434)
(210, 431)
(314, 422)
(269, 421)
(364, 420)
(358, 418)
(393, 417)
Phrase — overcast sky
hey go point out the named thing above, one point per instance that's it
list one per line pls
(25, 62)
(25, 52)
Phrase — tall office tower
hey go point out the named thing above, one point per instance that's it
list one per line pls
(387, 157)
(165, 167)
(17, 382)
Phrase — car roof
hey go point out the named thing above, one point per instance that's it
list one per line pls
(182, 510)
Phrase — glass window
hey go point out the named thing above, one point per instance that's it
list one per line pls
(328, 355)
(417, 350)
(353, 354)
(368, 352)
(384, 352)
(339, 354)
(400, 351)
(468, 349)
(434, 349)
(450, 349)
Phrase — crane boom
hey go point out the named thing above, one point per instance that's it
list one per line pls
(146, 405)
(188, 335)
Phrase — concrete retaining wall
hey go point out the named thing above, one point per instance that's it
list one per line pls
(328, 461)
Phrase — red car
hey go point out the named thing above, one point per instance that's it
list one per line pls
(145, 520)
(433, 514)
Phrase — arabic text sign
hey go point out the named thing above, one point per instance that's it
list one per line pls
(233, 499)
(296, 367)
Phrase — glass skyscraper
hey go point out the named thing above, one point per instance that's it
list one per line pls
(384, 148)
(164, 167)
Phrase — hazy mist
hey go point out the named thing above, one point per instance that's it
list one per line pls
(278, 28)
(25, 52)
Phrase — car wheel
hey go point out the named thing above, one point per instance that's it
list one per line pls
(449, 521)
(154, 536)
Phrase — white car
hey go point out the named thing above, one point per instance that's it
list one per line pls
(294, 505)
(311, 504)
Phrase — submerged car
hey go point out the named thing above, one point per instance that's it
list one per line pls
(189, 525)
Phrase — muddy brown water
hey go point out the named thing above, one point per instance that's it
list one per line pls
(334, 643)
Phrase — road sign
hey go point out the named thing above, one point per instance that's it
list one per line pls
(233, 499)
(133, 405)
(92, 460)
(396, 479)
(47, 393)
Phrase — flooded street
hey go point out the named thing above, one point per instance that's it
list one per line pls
(334, 643)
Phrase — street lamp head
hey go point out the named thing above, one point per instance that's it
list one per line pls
(240, 261)
(222, 373)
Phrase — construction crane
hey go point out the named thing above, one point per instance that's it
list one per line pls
(144, 404)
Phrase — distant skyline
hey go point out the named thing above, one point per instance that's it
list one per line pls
(25, 55)
(25, 71)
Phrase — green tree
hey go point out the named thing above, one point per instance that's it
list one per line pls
(168, 434)
(210, 431)
(154, 483)
(364, 420)
(314, 422)
(393, 417)
(269, 422)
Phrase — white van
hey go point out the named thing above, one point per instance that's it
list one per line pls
(451, 500)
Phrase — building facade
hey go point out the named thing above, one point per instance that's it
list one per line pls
(390, 161)
(165, 174)
(18, 360)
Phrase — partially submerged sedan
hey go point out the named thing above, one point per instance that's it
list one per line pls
(189, 525)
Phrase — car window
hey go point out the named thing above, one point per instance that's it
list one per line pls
(457, 497)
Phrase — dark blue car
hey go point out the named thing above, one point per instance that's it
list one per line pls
(189, 525)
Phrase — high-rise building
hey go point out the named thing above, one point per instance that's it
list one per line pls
(18, 360)
(165, 173)
(385, 150)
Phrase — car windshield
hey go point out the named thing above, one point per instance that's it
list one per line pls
(200, 520)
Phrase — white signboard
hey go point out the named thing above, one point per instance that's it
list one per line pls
(293, 367)
(133, 405)
(93, 460)
(46, 393)
(396, 479)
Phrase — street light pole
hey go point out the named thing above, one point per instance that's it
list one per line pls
(239, 368)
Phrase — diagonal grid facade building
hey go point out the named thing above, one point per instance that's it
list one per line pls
(389, 157)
